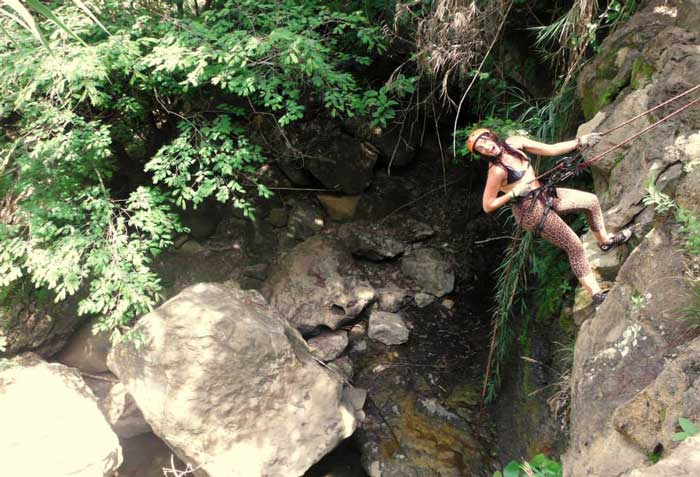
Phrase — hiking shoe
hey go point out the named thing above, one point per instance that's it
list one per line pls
(599, 298)
(619, 238)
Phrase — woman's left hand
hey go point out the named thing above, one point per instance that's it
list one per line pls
(589, 140)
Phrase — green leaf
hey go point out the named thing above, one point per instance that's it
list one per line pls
(687, 426)
(679, 436)
(39, 7)
(512, 469)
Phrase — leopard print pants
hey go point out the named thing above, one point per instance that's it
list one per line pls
(528, 214)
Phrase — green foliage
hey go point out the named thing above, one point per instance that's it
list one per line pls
(167, 98)
(538, 466)
(206, 160)
(688, 430)
(689, 222)
(654, 457)
(638, 300)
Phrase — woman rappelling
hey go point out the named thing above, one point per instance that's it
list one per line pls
(537, 208)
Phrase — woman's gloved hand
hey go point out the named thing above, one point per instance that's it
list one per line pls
(520, 190)
(589, 140)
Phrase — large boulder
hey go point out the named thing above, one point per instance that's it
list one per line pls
(51, 424)
(231, 387)
(312, 286)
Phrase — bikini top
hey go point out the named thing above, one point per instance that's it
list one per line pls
(514, 175)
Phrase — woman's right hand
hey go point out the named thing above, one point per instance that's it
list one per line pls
(521, 189)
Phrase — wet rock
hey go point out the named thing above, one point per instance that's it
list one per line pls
(428, 440)
(387, 328)
(341, 162)
(214, 365)
(432, 273)
(310, 286)
(339, 207)
(87, 351)
(68, 437)
(328, 345)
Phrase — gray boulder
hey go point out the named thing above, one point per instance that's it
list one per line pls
(231, 387)
(429, 269)
(51, 424)
(310, 286)
(387, 328)
(328, 345)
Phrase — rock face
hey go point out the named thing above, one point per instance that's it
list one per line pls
(309, 287)
(51, 424)
(231, 387)
(635, 367)
(660, 61)
(621, 351)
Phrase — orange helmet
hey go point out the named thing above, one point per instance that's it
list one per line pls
(474, 136)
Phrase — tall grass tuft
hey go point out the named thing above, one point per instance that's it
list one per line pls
(510, 285)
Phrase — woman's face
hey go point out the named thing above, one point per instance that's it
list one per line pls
(487, 146)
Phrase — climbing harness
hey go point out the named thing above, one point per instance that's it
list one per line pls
(565, 169)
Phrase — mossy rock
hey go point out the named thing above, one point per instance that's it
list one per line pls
(641, 73)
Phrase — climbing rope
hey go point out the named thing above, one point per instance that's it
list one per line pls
(566, 166)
